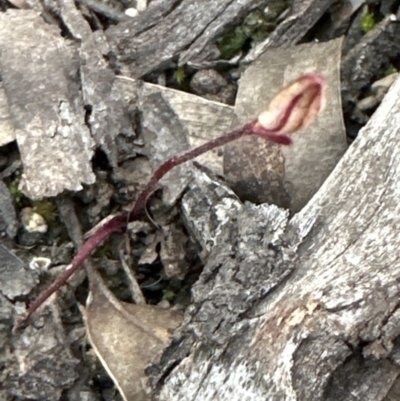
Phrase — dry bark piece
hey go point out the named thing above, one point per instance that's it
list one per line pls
(8, 217)
(158, 35)
(105, 9)
(202, 119)
(6, 352)
(288, 176)
(73, 20)
(127, 337)
(305, 13)
(246, 263)
(46, 366)
(203, 49)
(40, 79)
(174, 248)
(365, 60)
(7, 133)
(16, 279)
(164, 136)
(103, 94)
(354, 33)
(207, 207)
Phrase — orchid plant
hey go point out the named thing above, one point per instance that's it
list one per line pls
(294, 107)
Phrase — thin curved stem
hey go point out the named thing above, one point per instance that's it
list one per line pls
(138, 212)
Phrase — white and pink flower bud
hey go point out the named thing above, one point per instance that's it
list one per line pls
(294, 107)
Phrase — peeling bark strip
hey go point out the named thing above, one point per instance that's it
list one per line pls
(102, 92)
(307, 308)
(40, 80)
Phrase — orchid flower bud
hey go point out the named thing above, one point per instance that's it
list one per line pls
(293, 108)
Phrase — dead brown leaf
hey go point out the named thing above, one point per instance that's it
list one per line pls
(127, 337)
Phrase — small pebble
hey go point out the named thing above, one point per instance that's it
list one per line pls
(131, 12)
(206, 82)
(32, 221)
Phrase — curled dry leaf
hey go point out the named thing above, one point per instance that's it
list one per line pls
(127, 337)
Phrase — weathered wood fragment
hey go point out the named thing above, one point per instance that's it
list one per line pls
(8, 217)
(39, 72)
(204, 48)
(103, 94)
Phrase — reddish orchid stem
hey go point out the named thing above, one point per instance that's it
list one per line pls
(138, 211)
(177, 160)
(305, 95)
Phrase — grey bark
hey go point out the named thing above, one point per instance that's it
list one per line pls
(39, 72)
(102, 93)
(303, 16)
(169, 30)
(300, 308)
(7, 134)
(365, 59)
